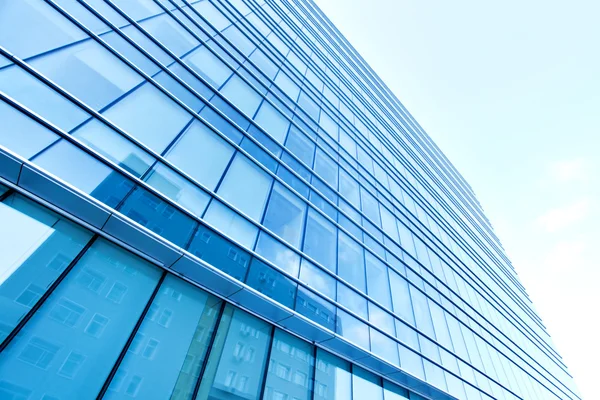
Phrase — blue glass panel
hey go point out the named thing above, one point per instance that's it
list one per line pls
(421, 311)
(285, 215)
(51, 31)
(434, 375)
(207, 65)
(272, 283)
(411, 362)
(320, 240)
(384, 347)
(401, 298)
(201, 154)
(351, 262)
(170, 345)
(90, 72)
(439, 323)
(366, 385)
(219, 252)
(239, 40)
(259, 154)
(317, 279)
(326, 168)
(69, 346)
(353, 329)
(150, 116)
(178, 189)
(246, 187)
(178, 90)
(231, 224)
(264, 64)
(287, 85)
(316, 308)
(265, 140)
(348, 188)
(278, 253)
(407, 335)
(293, 180)
(241, 95)
(36, 245)
(370, 206)
(237, 117)
(212, 14)
(393, 392)
(272, 121)
(39, 98)
(290, 370)
(114, 146)
(333, 380)
(84, 172)
(159, 216)
(352, 300)
(308, 106)
(378, 283)
(131, 53)
(21, 134)
(329, 125)
(301, 146)
(169, 33)
(238, 357)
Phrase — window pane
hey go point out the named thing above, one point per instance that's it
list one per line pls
(178, 189)
(231, 224)
(366, 385)
(21, 134)
(219, 252)
(353, 329)
(272, 121)
(377, 281)
(79, 324)
(207, 65)
(401, 298)
(241, 95)
(84, 172)
(351, 262)
(317, 279)
(202, 154)
(168, 350)
(36, 246)
(246, 187)
(349, 189)
(150, 116)
(352, 300)
(301, 146)
(237, 360)
(272, 283)
(422, 315)
(393, 392)
(333, 380)
(278, 253)
(326, 168)
(285, 215)
(159, 216)
(320, 240)
(290, 373)
(316, 308)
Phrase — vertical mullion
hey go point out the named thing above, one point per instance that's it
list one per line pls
(131, 337)
(45, 296)
(268, 359)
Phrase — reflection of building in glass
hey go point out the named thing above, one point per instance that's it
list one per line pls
(219, 199)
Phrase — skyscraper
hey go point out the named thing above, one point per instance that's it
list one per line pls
(219, 199)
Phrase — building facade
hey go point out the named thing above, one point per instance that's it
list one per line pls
(219, 199)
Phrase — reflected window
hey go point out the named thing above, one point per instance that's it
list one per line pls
(231, 224)
(316, 308)
(237, 361)
(278, 253)
(317, 279)
(246, 187)
(333, 379)
(172, 355)
(272, 283)
(76, 319)
(36, 246)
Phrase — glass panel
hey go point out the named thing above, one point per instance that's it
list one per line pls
(287, 85)
(333, 380)
(150, 116)
(411, 362)
(290, 373)
(231, 224)
(316, 308)
(36, 247)
(169, 348)
(377, 281)
(370, 206)
(326, 168)
(278, 253)
(353, 329)
(300, 146)
(349, 189)
(52, 30)
(159, 216)
(237, 360)
(285, 215)
(246, 187)
(317, 279)
(70, 345)
(401, 298)
(202, 154)
(366, 385)
(169, 33)
(421, 311)
(352, 300)
(393, 392)
(21, 134)
(384, 347)
(351, 262)
(320, 240)
(178, 189)
(114, 146)
(207, 65)
(272, 283)
(89, 72)
(84, 172)
(272, 121)
(241, 95)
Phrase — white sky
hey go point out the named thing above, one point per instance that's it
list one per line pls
(510, 91)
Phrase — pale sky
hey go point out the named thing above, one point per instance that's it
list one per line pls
(510, 91)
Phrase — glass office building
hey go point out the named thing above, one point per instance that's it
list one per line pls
(219, 199)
